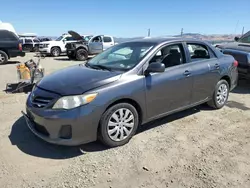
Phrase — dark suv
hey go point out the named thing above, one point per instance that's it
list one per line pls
(10, 46)
(126, 86)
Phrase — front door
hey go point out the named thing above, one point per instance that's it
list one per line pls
(172, 89)
(95, 45)
(205, 70)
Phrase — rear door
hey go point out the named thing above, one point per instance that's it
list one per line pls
(107, 42)
(96, 45)
(205, 70)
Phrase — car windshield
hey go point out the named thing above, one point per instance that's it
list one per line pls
(121, 57)
(59, 38)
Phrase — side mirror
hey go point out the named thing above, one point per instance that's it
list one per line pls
(236, 39)
(155, 67)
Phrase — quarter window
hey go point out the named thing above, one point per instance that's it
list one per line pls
(171, 55)
(198, 52)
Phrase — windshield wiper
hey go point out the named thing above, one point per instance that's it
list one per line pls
(98, 67)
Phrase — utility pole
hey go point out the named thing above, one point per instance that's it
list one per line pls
(243, 31)
(149, 32)
(181, 31)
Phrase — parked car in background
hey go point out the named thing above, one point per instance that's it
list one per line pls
(125, 86)
(78, 50)
(99, 43)
(9, 46)
(240, 50)
(30, 44)
(81, 49)
(56, 47)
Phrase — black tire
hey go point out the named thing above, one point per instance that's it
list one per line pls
(55, 51)
(81, 54)
(214, 103)
(71, 57)
(103, 127)
(3, 57)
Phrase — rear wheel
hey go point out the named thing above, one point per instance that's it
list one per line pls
(3, 57)
(55, 51)
(118, 124)
(81, 54)
(220, 95)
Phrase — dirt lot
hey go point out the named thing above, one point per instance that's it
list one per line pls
(196, 148)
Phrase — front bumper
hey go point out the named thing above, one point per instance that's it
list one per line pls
(44, 50)
(63, 127)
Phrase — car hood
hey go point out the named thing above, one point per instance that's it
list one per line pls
(75, 35)
(76, 80)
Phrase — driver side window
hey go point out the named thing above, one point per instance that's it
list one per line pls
(170, 55)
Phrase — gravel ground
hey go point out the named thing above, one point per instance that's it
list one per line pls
(196, 148)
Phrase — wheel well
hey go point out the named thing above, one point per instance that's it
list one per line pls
(133, 103)
(227, 78)
(82, 47)
(5, 52)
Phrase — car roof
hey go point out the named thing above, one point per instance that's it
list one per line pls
(158, 40)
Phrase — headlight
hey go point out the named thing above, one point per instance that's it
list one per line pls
(70, 102)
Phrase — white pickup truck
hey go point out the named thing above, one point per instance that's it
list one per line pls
(57, 47)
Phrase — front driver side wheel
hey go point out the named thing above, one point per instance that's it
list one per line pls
(118, 124)
(220, 95)
(55, 51)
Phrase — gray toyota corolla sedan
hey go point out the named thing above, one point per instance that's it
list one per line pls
(126, 86)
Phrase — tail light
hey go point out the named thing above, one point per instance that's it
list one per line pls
(235, 63)
(20, 47)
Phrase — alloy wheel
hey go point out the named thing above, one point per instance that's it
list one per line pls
(222, 94)
(2, 58)
(120, 124)
(56, 52)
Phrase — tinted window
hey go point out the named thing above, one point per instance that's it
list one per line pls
(36, 40)
(171, 55)
(7, 36)
(198, 52)
(69, 38)
(107, 39)
(28, 41)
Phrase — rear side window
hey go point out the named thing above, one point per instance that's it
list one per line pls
(7, 36)
(69, 38)
(198, 52)
(107, 39)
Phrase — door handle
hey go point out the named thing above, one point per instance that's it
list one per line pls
(217, 66)
(187, 73)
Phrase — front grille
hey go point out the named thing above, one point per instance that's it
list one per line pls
(41, 102)
(41, 129)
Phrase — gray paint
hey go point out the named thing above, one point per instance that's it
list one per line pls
(157, 94)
